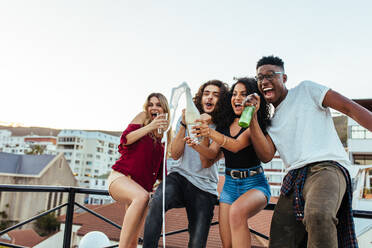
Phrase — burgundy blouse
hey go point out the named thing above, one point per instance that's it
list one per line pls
(142, 160)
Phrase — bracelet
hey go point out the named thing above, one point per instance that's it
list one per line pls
(183, 124)
(224, 141)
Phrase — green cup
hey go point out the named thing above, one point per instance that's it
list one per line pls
(246, 117)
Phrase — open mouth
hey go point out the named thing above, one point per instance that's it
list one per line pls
(268, 92)
(238, 107)
(208, 105)
(153, 115)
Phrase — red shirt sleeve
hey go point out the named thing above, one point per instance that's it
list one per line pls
(123, 138)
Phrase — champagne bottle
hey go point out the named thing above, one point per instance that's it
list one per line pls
(191, 115)
(246, 117)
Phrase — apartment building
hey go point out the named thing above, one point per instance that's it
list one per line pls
(12, 144)
(24, 144)
(359, 144)
(89, 154)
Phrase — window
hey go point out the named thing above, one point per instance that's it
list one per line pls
(362, 159)
(89, 163)
(358, 132)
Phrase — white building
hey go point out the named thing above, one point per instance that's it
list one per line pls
(274, 172)
(359, 144)
(24, 144)
(12, 144)
(90, 154)
(98, 183)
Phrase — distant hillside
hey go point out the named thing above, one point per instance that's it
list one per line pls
(44, 131)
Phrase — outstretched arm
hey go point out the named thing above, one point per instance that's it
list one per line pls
(205, 150)
(348, 107)
(231, 144)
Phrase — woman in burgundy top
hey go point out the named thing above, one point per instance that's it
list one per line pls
(139, 166)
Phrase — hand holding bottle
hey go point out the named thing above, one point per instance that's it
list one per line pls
(191, 115)
(252, 100)
(202, 128)
(250, 103)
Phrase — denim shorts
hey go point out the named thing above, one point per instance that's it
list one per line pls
(234, 188)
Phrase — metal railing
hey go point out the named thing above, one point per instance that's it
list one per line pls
(72, 191)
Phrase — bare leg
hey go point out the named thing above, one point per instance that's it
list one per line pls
(128, 192)
(224, 225)
(246, 206)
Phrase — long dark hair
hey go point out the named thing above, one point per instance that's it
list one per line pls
(263, 114)
(221, 109)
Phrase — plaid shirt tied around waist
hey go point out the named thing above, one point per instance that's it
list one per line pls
(295, 180)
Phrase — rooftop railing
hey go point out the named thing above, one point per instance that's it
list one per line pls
(70, 204)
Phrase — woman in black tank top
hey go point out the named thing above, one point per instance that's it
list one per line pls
(246, 190)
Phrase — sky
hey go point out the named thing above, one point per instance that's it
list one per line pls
(89, 64)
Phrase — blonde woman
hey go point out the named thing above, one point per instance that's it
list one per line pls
(139, 166)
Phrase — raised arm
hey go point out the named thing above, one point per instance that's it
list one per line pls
(139, 133)
(263, 145)
(178, 143)
(348, 107)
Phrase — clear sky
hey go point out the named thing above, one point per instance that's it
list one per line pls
(89, 64)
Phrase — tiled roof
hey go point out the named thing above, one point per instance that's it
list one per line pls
(24, 237)
(176, 219)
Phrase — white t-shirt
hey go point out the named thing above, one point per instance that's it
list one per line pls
(303, 130)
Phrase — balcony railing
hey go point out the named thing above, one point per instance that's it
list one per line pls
(72, 191)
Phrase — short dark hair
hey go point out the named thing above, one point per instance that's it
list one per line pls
(220, 110)
(270, 60)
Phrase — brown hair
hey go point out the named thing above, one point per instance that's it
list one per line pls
(164, 105)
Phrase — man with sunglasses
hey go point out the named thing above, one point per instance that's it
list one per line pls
(314, 208)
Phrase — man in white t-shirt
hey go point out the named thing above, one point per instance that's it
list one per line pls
(314, 208)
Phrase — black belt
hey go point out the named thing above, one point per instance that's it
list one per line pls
(239, 174)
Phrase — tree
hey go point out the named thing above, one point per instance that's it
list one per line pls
(46, 224)
(4, 222)
(36, 150)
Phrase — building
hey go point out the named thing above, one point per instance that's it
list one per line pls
(12, 144)
(359, 142)
(99, 183)
(89, 154)
(274, 172)
(24, 144)
(34, 170)
(359, 145)
(24, 237)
